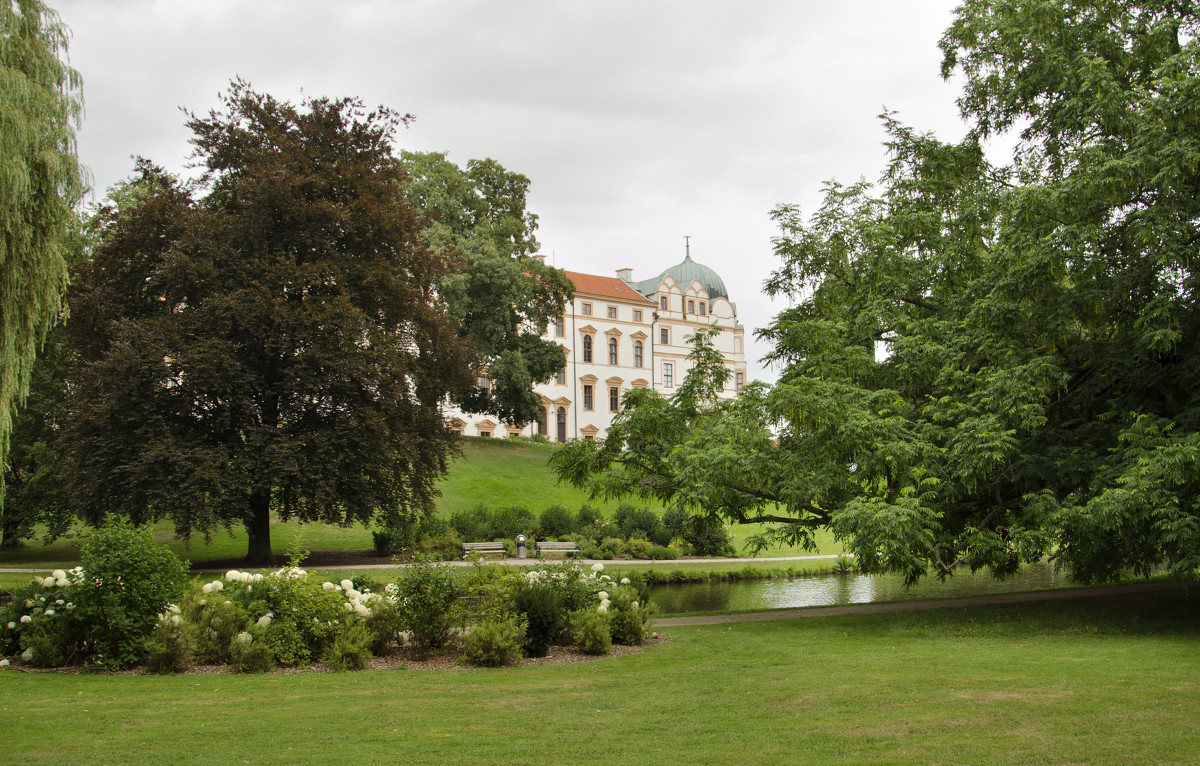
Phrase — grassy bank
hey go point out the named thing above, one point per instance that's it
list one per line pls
(1095, 681)
(496, 472)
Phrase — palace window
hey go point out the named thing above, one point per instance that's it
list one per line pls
(637, 353)
(703, 306)
(662, 303)
(612, 312)
(741, 381)
(587, 348)
(668, 375)
(586, 309)
(614, 398)
(559, 328)
(588, 397)
(612, 350)
(560, 377)
(637, 315)
(691, 307)
(664, 336)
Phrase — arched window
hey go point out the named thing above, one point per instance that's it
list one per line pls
(587, 348)
(637, 353)
(612, 350)
(691, 307)
(562, 425)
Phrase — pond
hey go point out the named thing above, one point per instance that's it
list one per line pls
(839, 590)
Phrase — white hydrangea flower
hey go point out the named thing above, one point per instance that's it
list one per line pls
(634, 605)
(347, 585)
(3, 663)
(202, 601)
(602, 609)
(218, 585)
(206, 589)
(233, 575)
(173, 609)
(59, 574)
(176, 619)
(264, 621)
(362, 611)
(62, 583)
(348, 606)
(49, 612)
(59, 601)
(49, 582)
(603, 595)
(69, 606)
(352, 594)
(26, 619)
(597, 567)
(27, 655)
(244, 638)
(624, 580)
(11, 625)
(605, 603)
(328, 586)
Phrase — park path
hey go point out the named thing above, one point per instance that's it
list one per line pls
(912, 606)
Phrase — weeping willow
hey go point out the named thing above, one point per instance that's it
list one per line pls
(40, 184)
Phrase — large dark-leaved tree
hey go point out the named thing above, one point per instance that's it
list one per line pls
(268, 340)
(1039, 323)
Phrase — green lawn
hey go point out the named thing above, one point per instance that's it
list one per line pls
(1099, 680)
(496, 472)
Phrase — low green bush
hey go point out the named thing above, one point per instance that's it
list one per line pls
(428, 597)
(660, 553)
(495, 642)
(557, 521)
(351, 650)
(639, 547)
(627, 617)
(541, 605)
(248, 655)
(591, 632)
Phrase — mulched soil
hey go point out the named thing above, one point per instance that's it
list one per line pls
(404, 658)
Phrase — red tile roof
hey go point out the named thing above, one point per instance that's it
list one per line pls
(606, 287)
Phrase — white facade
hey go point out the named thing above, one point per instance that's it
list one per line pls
(619, 335)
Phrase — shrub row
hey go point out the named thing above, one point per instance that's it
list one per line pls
(253, 622)
(638, 532)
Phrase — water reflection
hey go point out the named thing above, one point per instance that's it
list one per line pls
(835, 590)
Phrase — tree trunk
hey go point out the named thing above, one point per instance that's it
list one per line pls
(258, 527)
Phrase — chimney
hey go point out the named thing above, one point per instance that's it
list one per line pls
(626, 274)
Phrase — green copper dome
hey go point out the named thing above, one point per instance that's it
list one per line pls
(684, 273)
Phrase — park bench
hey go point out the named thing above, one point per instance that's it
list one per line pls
(567, 549)
(487, 549)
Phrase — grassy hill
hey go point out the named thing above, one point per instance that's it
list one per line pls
(495, 472)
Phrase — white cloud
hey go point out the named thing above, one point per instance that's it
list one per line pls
(637, 122)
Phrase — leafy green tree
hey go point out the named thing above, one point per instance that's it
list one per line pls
(274, 344)
(500, 296)
(1035, 394)
(40, 183)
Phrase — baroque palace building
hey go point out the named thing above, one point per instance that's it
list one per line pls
(620, 334)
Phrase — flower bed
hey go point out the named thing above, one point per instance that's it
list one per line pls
(288, 618)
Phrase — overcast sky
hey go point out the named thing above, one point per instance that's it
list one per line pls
(636, 122)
